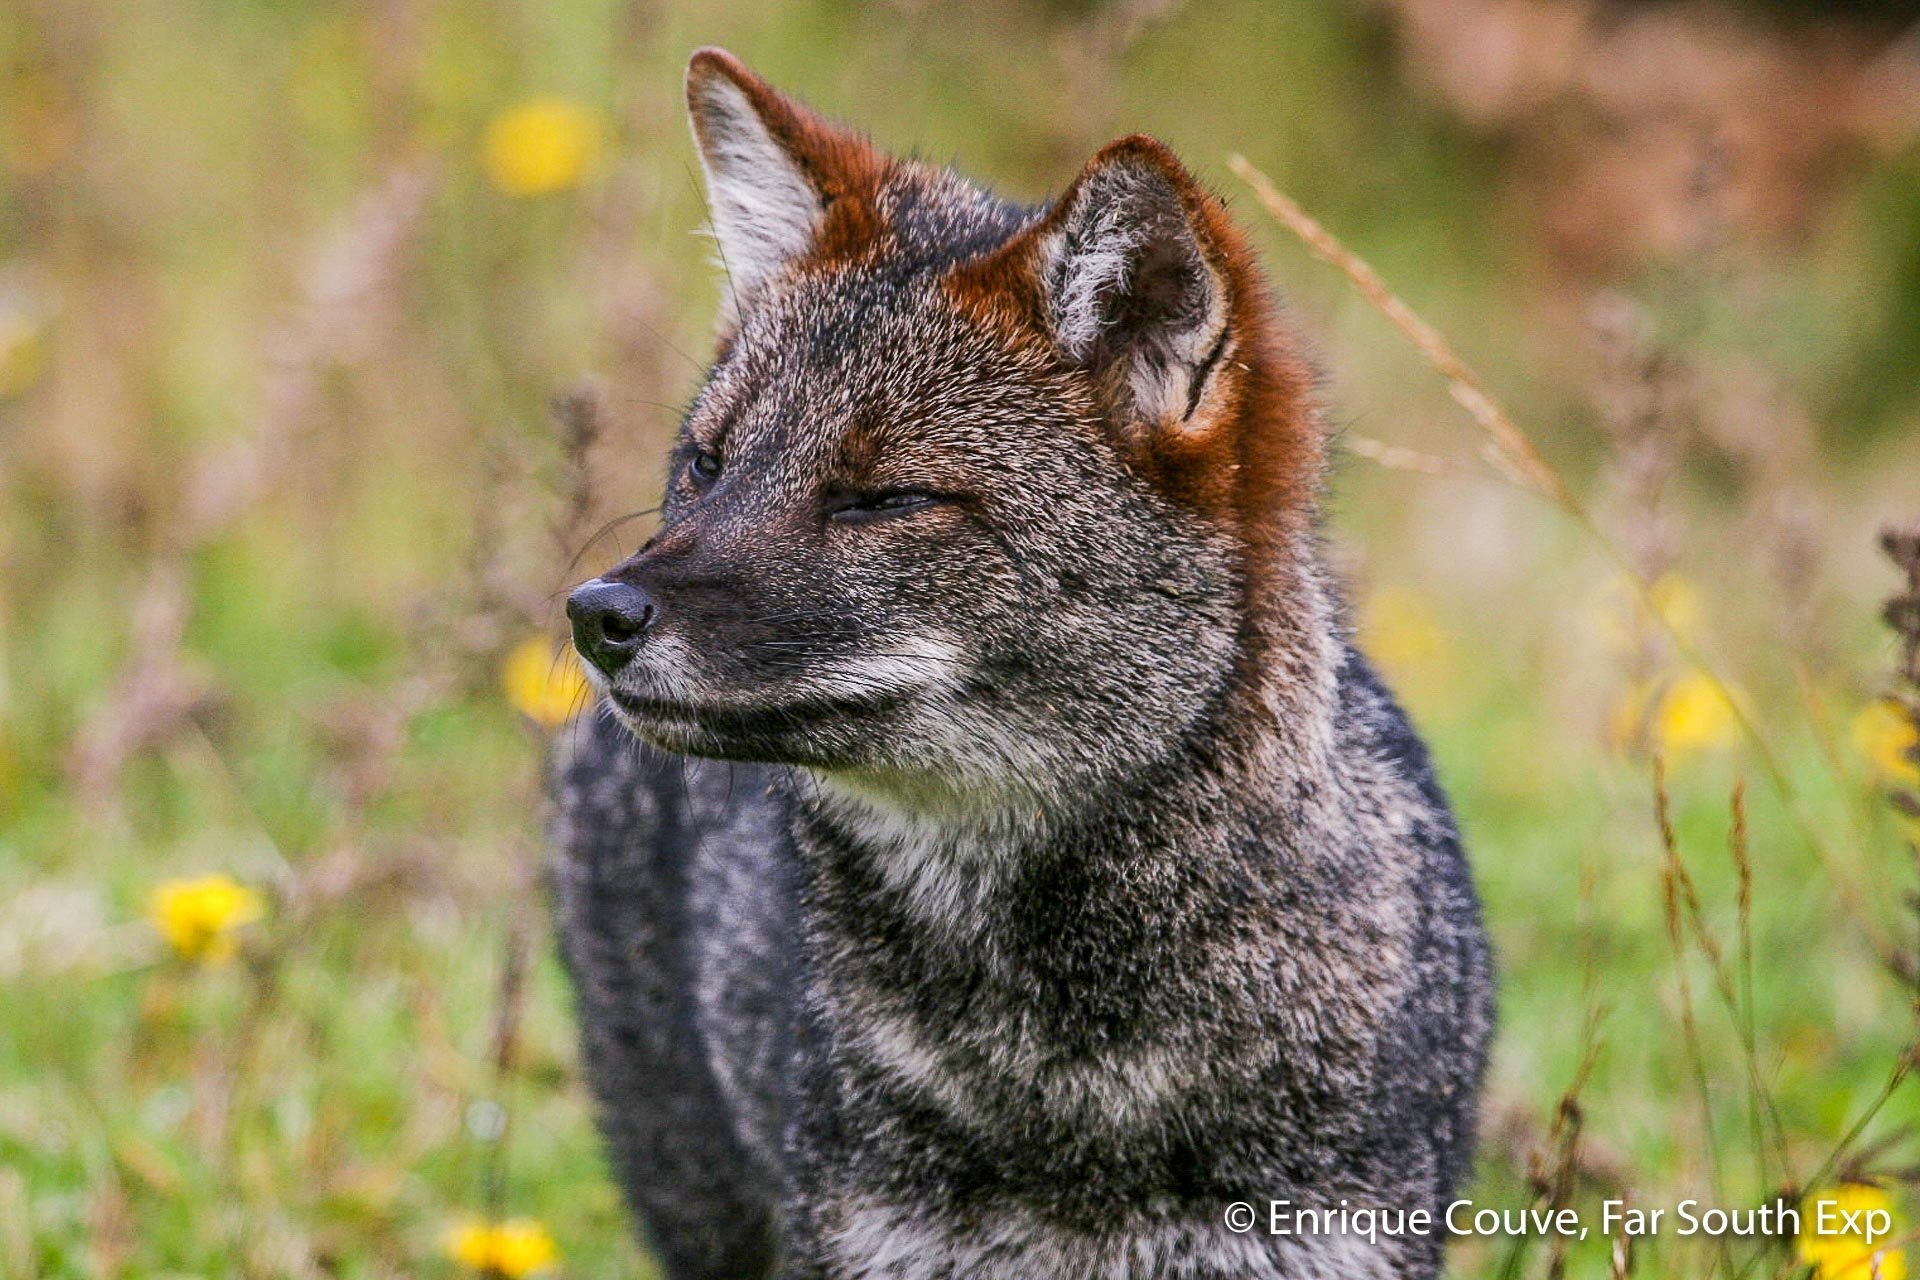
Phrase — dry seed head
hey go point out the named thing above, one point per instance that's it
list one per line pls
(1902, 612)
(1903, 547)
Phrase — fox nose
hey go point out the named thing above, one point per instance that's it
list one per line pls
(609, 621)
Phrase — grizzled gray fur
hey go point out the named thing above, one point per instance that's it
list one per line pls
(989, 859)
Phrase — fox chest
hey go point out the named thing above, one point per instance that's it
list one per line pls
(991, 1064)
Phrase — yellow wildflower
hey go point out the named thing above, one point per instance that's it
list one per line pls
(1625, 616)
(23, 351)
(1886, 735)
(514, 1248)
(1694, 714)
(541, 145)
(201, 919)
(1845, 1234)
(1687, 714)
(1676, 601)
(544, 681)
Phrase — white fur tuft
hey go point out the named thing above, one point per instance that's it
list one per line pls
(764, 210)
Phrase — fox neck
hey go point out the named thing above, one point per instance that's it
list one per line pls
(947, 859)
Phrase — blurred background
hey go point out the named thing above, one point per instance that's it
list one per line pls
(337, 337)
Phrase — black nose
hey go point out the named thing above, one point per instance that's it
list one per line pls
(609, 619)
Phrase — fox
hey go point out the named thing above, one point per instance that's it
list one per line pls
(990, 857)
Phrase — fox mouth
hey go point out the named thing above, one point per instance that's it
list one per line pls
(777, 717)
(823, 715)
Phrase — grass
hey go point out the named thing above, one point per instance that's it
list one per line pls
(282, 488)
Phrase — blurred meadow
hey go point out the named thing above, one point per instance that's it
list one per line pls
(336, 338)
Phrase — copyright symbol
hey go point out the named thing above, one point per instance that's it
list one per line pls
(1240, 1217)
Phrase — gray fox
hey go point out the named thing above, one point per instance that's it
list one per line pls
(990, 859)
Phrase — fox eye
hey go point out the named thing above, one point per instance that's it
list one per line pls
(704, 467)
(872, 506)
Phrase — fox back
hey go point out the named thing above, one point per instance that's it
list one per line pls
(990, 859)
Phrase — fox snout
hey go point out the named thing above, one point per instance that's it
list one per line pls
(610, 622)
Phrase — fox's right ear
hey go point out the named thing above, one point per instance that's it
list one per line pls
(1131, 275)
(781, 182)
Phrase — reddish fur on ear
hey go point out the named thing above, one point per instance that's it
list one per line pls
(1254, 453)
(843, 167)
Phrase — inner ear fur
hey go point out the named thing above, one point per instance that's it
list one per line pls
(783, 184)
(1135, 285)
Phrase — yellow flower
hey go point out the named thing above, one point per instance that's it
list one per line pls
(23, 351)
(1677, 602)
(1885, 733)
(1688, 714)
(1401, 633)
(540, 146)
(1624, 616)
(544, 682)
(1694, 714)
(201, 919)
(514, 1248)
(1834, 1228)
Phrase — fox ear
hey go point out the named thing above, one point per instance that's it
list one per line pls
(774, 170)
(1134, 283)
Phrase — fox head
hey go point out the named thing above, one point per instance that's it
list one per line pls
(977, 499)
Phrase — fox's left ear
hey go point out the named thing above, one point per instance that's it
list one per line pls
(781, 181)
(1135, 281)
